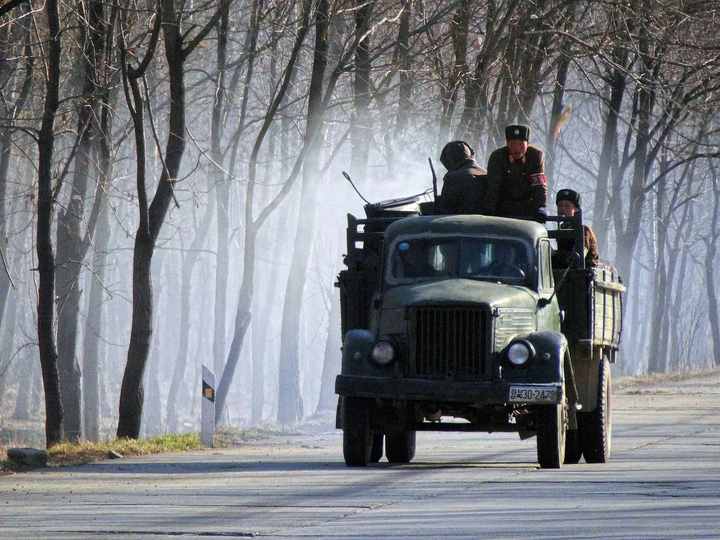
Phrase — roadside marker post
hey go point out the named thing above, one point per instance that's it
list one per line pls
(207, 428)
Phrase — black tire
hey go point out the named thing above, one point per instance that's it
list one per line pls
(551, 424)
(596, 426)
(573, 448)
(400, 446)
(357, 434)
(376, 452)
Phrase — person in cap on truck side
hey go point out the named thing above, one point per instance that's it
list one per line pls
(463, 190)
(516, 178)
(568, 203)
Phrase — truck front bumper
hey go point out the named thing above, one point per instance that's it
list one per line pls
(481, 393)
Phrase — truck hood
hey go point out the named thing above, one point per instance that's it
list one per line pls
(459, 292)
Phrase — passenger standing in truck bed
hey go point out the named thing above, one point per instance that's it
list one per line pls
(568, 203)
(516, 185)
(463, 190)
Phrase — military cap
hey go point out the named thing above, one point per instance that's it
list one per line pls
(455, 154)
(517, 132)
(569, 195)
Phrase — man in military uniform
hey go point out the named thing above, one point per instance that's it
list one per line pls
(463, 188)
(568, 203)
(516, 185)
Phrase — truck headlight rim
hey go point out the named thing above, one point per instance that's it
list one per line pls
(383, 353)
(520, 352)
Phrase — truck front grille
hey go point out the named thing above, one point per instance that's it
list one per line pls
(448, 342)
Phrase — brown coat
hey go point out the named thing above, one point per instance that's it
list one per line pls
(516, 188)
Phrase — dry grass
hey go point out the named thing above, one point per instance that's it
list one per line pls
(78, 453)
(659, 378)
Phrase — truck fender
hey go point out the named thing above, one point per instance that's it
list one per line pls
(554, 363)
(357, 347)
(550, 349)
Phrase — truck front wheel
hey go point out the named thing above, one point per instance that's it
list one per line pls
(357, 433)
(400, 446)
(596, 426)
(551, 425)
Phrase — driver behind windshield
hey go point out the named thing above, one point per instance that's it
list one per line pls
(413, 261)
(506, 261)
(460, 257)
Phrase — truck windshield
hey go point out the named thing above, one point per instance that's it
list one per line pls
(490, 259)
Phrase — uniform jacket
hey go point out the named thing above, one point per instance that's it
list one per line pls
(516, 188)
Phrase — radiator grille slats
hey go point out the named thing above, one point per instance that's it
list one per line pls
(448, 342)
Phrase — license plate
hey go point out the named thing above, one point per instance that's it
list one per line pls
(524, 394)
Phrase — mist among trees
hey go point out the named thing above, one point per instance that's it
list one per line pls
(172, 190)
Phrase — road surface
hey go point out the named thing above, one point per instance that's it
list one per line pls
(663, 482)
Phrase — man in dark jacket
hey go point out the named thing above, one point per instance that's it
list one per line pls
(463, 188)
(568, 203)
(516, 178)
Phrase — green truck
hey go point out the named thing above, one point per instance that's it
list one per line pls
(461, 323)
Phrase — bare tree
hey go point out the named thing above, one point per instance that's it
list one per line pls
(253, 224)
(711, 241)
(152, 215)
(45, 255)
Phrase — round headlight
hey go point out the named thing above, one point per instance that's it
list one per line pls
(520, 353)
(383, 353)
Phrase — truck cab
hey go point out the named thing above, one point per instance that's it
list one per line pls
(454, 323)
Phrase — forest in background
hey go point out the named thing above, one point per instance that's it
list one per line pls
(172, 194)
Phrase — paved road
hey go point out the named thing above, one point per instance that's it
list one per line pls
(663, 482)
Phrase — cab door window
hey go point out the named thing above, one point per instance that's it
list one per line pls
(546, 283)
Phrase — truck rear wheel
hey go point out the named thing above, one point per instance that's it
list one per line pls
(596, 426)
(551, 424)
(357, 434)
(400, 446)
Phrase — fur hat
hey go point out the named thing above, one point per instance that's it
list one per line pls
(455, 154)
(569, 195)
(517, 132)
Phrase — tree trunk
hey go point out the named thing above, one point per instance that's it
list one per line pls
(242, 320)
(94, 325)
(661, 286)
(132, 391)
(7, 344)
(186, 286)
(361, 132)
(45, 255)
(710, 258)
(71, 246)
(627, 238)
(24, 404)
(153, 410)
(556, 120)
(261, 326)
(459, 29)
(253, 225)
(24, 75)
(222, 196)
(94, 328)
(290, 405)
(713, 306)
(396, 147)
(151, 220)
